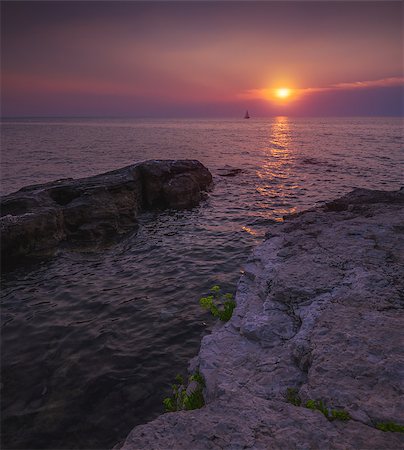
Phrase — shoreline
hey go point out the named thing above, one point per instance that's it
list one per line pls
(317, 312)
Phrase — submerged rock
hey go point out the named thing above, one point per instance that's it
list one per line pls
(319, 310)
(35, 219)
(228, 171)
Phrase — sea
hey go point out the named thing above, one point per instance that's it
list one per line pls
(92, 341)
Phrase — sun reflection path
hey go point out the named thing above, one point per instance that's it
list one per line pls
(276, 173)
(280, 136)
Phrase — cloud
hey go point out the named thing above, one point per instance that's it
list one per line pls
(268, 94)
(384, 82)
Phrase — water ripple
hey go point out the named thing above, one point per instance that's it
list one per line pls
(102, 335)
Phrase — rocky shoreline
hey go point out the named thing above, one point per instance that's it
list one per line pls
(38, 219)
(319, 313)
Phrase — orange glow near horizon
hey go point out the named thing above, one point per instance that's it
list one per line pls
(282, 93)
(279, 95)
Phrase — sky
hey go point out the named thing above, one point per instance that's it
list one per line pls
(201, 59)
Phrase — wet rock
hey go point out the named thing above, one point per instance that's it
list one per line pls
(362, 197)
(228, 171)
(36, 219)
(168, 185)
(325, 319)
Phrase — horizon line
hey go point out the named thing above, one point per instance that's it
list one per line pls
(194, 117)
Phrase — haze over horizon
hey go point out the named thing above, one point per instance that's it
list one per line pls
(201, 59)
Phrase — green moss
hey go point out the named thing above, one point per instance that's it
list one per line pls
(292, 396)
(390, 426)
(330, 414)
(195, 400)
(197, 376)
(340, 414)
(311, 404)
(179, 379)
(219, 305)
(180, 400)
(169, 404)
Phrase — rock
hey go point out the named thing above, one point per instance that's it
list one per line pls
(238, 422)
(324, 318)
(168, 185)
(36, 219)
(228, 171)
(360, 197)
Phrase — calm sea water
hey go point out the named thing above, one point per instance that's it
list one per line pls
(92, 341)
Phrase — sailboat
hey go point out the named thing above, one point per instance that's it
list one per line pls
(246, 115)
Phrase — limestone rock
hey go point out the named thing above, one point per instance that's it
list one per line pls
(319, 309)
(242, 421)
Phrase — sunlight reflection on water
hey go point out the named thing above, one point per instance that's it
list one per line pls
(278, 165)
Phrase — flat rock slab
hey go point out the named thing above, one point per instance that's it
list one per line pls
(320, 310)
(36, 219)
(242, 421)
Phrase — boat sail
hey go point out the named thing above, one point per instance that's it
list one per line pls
(247, 116)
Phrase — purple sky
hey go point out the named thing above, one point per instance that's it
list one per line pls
(190, 59)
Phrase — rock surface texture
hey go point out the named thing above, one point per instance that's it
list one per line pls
(35, 219)
(319, 309)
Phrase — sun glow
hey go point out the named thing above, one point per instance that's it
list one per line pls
(283, 92)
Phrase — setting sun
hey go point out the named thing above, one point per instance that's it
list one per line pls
(282, 92)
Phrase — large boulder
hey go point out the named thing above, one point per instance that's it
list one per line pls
(35, 219)
(178, 186)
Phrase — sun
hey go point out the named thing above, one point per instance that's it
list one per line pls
(280, 95)
(283, 92)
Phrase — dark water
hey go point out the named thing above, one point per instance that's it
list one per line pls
(92, 341)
